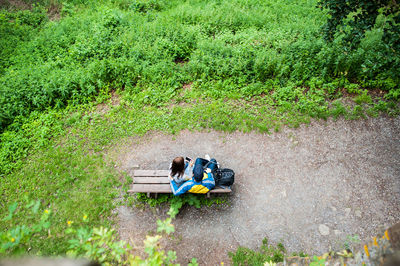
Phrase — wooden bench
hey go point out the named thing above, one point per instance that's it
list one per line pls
(156, 181)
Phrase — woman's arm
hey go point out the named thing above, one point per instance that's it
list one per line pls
(188, 174)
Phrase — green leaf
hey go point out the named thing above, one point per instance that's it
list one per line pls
(150, 244)
(171, 256)
(173, 212)
(11, 210)
(165, 226)
(36, 207)
(70, 231)
(193, 262)
(12, 207)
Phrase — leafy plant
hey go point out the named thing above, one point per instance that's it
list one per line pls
(360, 23)
(99, 243)
(317, 261)
(300, 254)
(360, 16)
(17, 239)
(193, 262)
(363, 98)
(177, 202)
(351, 241)
(266, 253)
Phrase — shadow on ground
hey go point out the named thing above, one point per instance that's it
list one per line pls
(310, 187)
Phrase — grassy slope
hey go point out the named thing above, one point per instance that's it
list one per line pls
(229, 48)
(199, 64)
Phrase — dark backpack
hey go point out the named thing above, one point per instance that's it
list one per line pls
(224, 177)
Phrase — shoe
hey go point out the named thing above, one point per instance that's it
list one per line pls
(207, 157)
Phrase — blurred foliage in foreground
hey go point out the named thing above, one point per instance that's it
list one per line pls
(97, 244)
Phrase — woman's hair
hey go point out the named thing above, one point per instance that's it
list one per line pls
(178, 166)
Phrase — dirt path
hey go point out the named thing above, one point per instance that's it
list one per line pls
(309, 187)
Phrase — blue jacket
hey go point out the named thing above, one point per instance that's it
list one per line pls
(192, 186)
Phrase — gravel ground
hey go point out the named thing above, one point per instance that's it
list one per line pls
(309, 187)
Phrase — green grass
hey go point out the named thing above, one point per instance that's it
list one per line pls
(266, 253)
(68, 180)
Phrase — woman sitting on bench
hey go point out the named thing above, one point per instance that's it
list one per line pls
(181, 171)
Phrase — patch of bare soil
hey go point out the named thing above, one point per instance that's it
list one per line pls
(53, 9)
(15, 4)
(309, 187)
(103, 108)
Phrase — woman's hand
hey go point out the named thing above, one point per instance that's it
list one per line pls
(191, 163)
(208, 170)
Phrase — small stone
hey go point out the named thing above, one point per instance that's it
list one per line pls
(337, 232)
(358, 213)
(323, 229)
(347, 210)
(134, 166)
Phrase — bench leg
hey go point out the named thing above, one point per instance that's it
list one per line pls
(208, 194)
(155, 195)
(148, 194)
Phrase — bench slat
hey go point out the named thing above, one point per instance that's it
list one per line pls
(165, 188)
(151, 180)
(152, 188)
(150, 173)
(221, 190)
